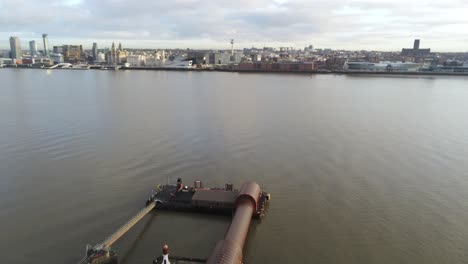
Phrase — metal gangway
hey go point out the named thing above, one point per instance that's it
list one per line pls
(102, 250)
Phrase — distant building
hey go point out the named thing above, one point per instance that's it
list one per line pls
(278, 66)
(155, 59)
(116, 55)
(122, 56)
(5, 61)
(15, 48)
(415, 51)
(101, 57)
(163, 57)
(73, 53)
(57, 58)
(33, 47)
(310, 48)
(136, 60)
(57, 49)
(45, 40)
(235, 58)
(28, 61)
(112, 55)
(199, 57)
(95, 52)
(389, 66)
(224, 58)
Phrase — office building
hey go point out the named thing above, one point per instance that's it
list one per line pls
(95, 52)
(15, 48)
(45, 40)
(33, 47)
(57, 58)
(57, 49)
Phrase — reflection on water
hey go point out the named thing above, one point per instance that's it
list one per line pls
(361, 170)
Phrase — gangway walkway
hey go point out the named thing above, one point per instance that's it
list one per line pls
(102, 250)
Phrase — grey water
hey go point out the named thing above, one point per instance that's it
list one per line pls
(361, 169)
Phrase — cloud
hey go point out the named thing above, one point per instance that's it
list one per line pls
(359, 24)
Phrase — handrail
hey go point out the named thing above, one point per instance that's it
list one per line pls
(107, 243)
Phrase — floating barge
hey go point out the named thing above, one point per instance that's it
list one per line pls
(243, 204)
(203, 200)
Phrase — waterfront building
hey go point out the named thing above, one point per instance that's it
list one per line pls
(33, 48)
(136, 60)
(256, 57)
(153, 61)
(95, 51)
(45, 40)
(163, 57)
(235, 58)
(390, 66)
(28, 61)
(57, 49)
(122, 56)
(450, 69)
(116, 55)
(278, 66)
(223, 58)
(73, 53)
(101, 57)
(57, 58)
(15, 48)
(5, 61)
(199, 57)
(113, 59)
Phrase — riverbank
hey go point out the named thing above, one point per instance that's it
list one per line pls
(340, 72)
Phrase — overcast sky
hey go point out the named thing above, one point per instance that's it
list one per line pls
(346, 24)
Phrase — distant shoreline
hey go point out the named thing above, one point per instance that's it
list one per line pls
(339, 72)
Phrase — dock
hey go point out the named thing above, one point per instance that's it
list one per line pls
(244, 204)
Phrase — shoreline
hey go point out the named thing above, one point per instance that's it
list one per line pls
(336, 72)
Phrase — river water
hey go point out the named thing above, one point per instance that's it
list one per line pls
(361, 169)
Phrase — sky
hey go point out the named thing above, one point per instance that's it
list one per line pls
(386, 25)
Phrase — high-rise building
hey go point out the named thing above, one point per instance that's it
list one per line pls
(95, 51)
(15, 48)
(113, 54)
(33, 47)
(232, 47)
(46, 45)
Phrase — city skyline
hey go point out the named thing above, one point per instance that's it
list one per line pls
(200, 24)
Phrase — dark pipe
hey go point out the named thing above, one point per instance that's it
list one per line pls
(229, 250)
